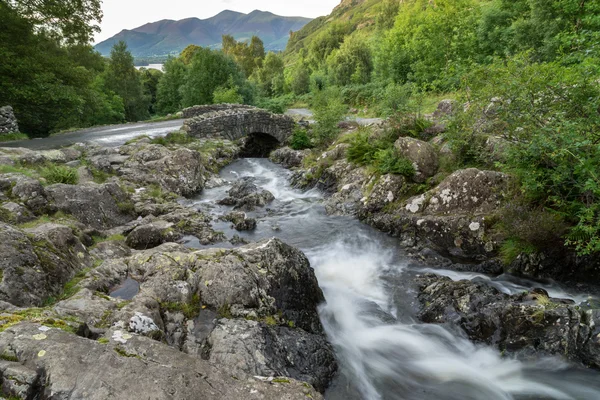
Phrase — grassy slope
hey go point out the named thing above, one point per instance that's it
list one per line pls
(360, 18)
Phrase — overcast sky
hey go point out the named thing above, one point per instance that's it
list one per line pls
(129, 14)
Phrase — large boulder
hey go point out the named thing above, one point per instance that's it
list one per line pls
(288, 158)
(240, 221)
(453, 218)
(25, 190)
(98, 206)
(524, 324)
(423, 156)
(37, 263)
(249, 348)
(467, 192)
(180, 171)
(261, 297)
(55, 364)
(246, 195)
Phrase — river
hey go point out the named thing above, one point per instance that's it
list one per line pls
(369, 314)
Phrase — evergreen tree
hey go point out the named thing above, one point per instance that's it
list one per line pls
(122, 78)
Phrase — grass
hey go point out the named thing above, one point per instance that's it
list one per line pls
(429, 101)
(11, 137)
(512, 248)
(112, 238)
(177, 137)
(189, 310)
(17, 169)
(60, 174)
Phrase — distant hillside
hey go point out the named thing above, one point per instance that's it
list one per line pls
(351, 15)
(171, 37)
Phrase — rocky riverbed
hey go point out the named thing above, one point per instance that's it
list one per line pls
(167, 269)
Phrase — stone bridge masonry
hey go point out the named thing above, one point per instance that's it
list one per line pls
(235, 121)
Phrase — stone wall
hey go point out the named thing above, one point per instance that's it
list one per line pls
(236, 121)
(8, 122)
(195, 111)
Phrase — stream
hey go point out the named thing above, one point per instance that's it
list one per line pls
(369, 314)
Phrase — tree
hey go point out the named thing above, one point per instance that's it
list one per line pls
(248, 56)
(209, 70)
(351, 63)
(270, 76)
(299, 79)
(122, 78)
(150, 78)
(188, 53)
(168, 92)
(49, 86)
(70, 21)
(429, 41)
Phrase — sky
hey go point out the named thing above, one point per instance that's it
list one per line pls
(129, 14)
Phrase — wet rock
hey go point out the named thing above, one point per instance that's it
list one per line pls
(152, 235)
(249, 348)
(129, 367)
(180, 171)
(423, 156)
(182, 292)
(240, 221)
(98, 206)
(246, 195)
(288, 157)
(38, 262)
(526, 324)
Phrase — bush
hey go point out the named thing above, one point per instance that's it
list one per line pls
(59, 174)
(379, 153)
(411, 125)
(227, 95)
(300, 140)
(387, 161)
(328, 110)
(276, 105)
(361, 151)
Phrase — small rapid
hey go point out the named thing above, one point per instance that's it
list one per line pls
(369, 313)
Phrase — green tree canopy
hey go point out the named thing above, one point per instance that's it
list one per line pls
(71, 21)
(122, 78)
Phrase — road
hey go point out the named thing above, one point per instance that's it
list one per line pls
(109, 136)
(306, 113)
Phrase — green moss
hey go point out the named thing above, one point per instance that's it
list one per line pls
(126, 207)
(123, 353)
(111, 238)
(103, 340)
(189, 310)
(270, 320)
(9, 357)
(225, 311)
(281, 380)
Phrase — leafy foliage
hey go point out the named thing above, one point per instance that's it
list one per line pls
(328, 111)
(300, 140)
(59, 174)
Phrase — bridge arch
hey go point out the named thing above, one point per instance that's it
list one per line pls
(236, 121)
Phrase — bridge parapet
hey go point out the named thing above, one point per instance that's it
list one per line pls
(234, 121)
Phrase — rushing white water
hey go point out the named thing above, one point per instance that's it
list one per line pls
(368, 315)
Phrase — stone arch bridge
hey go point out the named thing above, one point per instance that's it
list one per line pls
(235, 121)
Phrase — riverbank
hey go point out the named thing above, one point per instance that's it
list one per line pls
(153, 257)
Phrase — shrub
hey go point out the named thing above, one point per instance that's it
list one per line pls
(227, 95)
(387, 161)
(361, 151)
(328, 110)
(300, 140)
(60, 174)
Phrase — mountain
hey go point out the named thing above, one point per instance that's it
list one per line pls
(171, 37)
